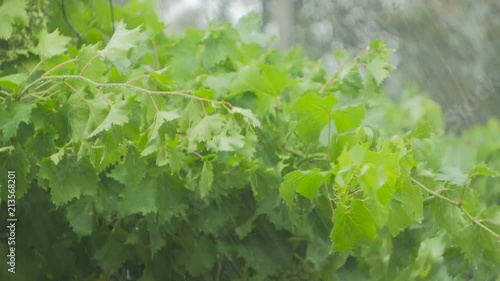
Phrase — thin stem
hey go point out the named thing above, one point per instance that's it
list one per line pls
(21, 89)
(36, 67)
(478, 222)
(5, 93)
(76, 92)
(108, 101)
(129, 82)
(462, 196)
(183, 93)
(329, 195)
(157, 61)
(154, 103)
(40, 94)
(333, 80)
(459, 206)
(328, 147)
(203, 107)
(198, 154)
(58, 66)
(433, 192)
(41, 84)
(88, 64)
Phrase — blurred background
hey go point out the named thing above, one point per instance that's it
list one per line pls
(447, 49)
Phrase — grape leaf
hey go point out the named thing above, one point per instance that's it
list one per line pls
(112, 254)
(132, 170)
(248, 115)
(80, 216)
(51, 44)
(13, 81)
(160, 118)
(453, 175)
(156, 241)
(264, 79)
(348, 118)
(307, 183)
(120, 43)
(69, 179)
(406, 208)
(351, 225)
(118, 115)
(15, 113)
(379, 69)
(14, 159)
(314, 113)
(12, 12)
(207, 178)
(139, 198)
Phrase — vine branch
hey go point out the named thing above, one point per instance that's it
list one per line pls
(458, 205)
(183, 93)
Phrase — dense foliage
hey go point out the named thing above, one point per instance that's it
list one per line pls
(209, 157)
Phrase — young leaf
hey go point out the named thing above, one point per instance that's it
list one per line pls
(207, 178)
(314, 113)
(12, 12)
(51, 44)
(351, 225)
(118, 115)
(306, 183)
(69, 179)
(160, 118)
(120, 43)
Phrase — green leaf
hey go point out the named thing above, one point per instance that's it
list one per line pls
(306, 183)
(139, 198)
(224, 142)
(379, 69)
(218, 46)
(351, 225)
(69, 179)
(51, 44)
(483, 170)
(80, 216)
(158, 78)
(12, 12)
(204, 259)
(160, 118)
(97, 112)
(314, 113)
(14, 81)
(349, 117)
(132, 170)
(422, 130)
(406, 208)
(120, 43)
(112, 254)
(118, 115)
(78, 115)
(452, 175)
(14, 160)
(248, 115)
(15, 113)
(248, 27)
(207, 178)
(265, 79)
(156, 239)
(209, 126)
